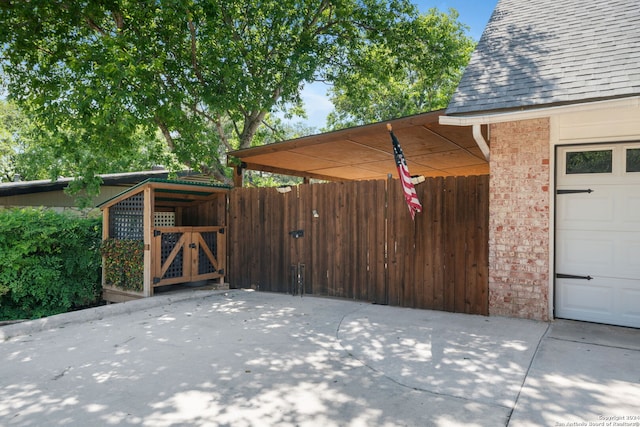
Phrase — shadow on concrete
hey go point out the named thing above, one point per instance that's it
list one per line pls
(251, 359)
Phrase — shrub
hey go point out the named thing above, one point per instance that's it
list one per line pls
(49, 263)
(124, 263)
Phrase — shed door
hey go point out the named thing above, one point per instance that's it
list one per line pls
(598, 234)
(188, 254)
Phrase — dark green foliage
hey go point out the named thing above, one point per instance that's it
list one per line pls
(589, 162)
(49, 263)
(205, 74)
(633, 160)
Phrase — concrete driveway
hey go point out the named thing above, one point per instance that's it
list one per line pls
(240, 358)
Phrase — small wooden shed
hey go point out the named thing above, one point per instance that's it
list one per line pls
(162, 232)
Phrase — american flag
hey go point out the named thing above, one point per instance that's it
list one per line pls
(408, 189)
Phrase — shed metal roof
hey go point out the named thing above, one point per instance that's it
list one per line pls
(551, 52)
(171, 193)
(365, 152)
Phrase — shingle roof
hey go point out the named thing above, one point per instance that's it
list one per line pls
(546, 52)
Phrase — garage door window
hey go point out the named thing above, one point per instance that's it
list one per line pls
(589, 161)
(633, 160)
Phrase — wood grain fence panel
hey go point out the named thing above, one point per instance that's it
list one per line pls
(374, 206)
(318, 238)
(403, 252)
(449, 240)
(359, 242)
(257, 256)
(425, 244)
(462, 215)
(357, 262)
(268, 240)
(396, 249)
(439, 255)
(339, 250)
(305, 221)
(470, 264)
(238, 277)
(380, 278)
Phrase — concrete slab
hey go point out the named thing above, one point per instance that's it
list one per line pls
(584, 374)
(242, 358)
(476, 358)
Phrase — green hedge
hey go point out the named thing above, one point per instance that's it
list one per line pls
(49, 263)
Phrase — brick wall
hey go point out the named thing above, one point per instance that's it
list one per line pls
(519, 220)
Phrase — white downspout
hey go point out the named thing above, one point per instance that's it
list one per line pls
(477, 135)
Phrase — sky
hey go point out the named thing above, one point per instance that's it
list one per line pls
(473, 13)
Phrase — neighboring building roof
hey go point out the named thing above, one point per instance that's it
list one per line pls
(537, 53)
(46, 185)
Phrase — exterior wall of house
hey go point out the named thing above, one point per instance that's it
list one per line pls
(519, 224)
(521, 235)
(614, 121)
(58, 200)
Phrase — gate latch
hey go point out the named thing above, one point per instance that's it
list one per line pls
(296, 234)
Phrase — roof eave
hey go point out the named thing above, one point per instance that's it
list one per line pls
(489, 117)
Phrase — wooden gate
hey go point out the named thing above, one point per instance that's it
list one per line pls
(188, 254)
(356, 240)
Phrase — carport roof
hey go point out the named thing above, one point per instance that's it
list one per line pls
(365, 152)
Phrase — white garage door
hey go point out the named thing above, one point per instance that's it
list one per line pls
(598, 234)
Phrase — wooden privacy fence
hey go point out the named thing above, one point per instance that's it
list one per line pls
(357, 240)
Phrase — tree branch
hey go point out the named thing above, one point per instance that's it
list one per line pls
(229, 23)
(91, 23)
(41, 49)
(221, 134)
(119, 19)
(273, 130)
(166, 133)
(194, 58)
(251, 126)
(235, 125)
(215, 172)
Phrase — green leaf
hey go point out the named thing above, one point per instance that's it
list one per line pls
(49, 263)
(100, 79)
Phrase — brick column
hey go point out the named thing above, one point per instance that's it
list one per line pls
(519, 220)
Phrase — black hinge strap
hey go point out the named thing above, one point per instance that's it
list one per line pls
(574, 191)
(572, 276)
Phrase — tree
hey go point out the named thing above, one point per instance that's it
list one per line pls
(34, 153)
(416, 69)
(205, 73)
(10, 122)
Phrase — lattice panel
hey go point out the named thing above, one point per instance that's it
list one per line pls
(126, 218)
(164, 219)
(169, 241)
(204, 264)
